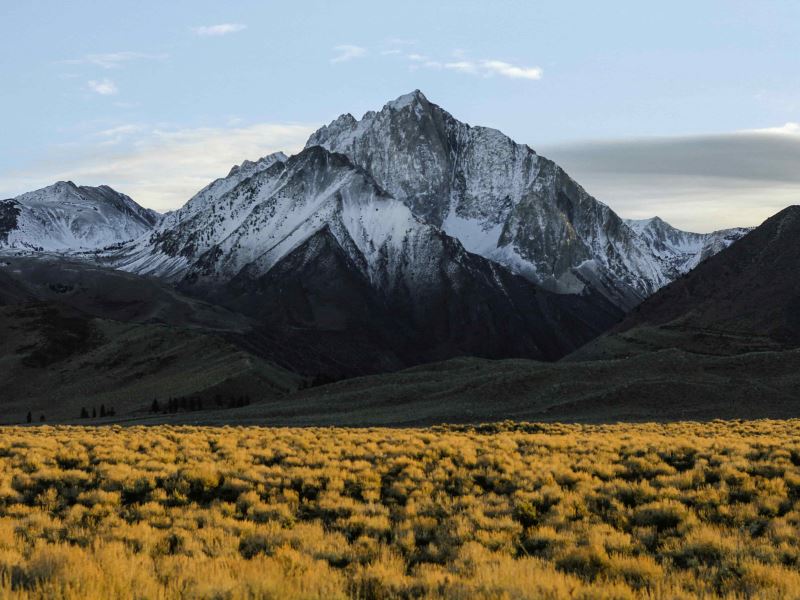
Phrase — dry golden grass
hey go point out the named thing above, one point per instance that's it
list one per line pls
(505, 511)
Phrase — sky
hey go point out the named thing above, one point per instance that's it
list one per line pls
(686, 110)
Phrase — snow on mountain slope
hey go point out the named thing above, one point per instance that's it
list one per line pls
(253, 222)
(219, 187)
(500, 199)
(64, 217)
(367, 258)
(681, 250)
(203, 214)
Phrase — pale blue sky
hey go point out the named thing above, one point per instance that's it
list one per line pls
(156, 98)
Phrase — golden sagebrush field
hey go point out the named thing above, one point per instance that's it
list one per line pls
(505, 511)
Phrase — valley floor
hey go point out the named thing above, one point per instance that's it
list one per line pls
(507, 510)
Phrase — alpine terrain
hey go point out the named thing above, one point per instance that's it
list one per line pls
(507, 203)
(681, 251)
(316, 250)
(64, 217)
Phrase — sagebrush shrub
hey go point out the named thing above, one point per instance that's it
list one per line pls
(507, 510)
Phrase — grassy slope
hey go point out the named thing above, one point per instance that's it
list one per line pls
(662, 385)
(76, 335)
(55, 362)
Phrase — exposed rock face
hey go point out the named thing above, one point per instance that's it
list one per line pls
(501, 200)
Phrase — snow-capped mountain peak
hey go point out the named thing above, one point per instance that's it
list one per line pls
(215, 190)
(681, 251)
(63, 217)
(314, 241)
(407, 100)
(500, 199)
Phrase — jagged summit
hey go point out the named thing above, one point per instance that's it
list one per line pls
(501, 200)
(639, 224)
(249, 167)
(498, 198)
(215, 190)
(680, 251)
(415, 97)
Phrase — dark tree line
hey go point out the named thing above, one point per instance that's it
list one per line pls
(191, 403)
(104, 412)
(172, 405)
(29, 417)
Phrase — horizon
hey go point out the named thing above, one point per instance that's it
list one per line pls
(707, 137)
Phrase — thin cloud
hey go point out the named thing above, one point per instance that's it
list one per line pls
(505, 69)
(119, 130)
(116, 135)
(346, 52)
(112, 60)
(485, 68)
(785, 129)
(159, 168)
(458, 61)
(463, 66)
(218, 30)
(760, 155)
(104, 87)
(699, 182)
(396, 46)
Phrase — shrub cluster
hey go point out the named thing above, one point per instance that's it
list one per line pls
(503, 511)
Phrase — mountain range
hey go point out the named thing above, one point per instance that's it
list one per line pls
(314, 248)
(403, 238)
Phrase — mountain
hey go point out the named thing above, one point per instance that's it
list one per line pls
(503, 201)
(722, 341)
(682, 251)
(64, 217)
(316, 250)
(77, 335)
(745, 298)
